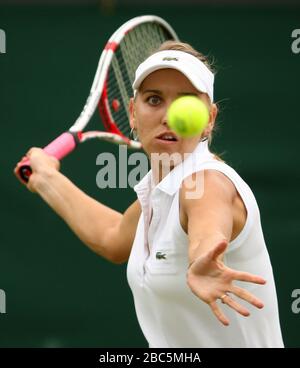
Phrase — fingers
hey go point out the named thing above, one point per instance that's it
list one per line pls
(250, 298)
(16, 169)
(27, 156)
(32, 151)
(25, 159)
(249, 277)
(236, 306)
(219, 314)
(16, 172)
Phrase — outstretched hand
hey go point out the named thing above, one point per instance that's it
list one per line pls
(209, 279)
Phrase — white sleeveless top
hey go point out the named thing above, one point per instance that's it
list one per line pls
(169, 314)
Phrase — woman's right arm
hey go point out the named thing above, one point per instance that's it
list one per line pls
(107, 232)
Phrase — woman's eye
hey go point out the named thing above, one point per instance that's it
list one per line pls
(153, 100)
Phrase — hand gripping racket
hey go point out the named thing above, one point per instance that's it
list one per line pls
(111, 90)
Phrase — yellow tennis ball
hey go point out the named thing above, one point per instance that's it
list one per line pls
(188, 116)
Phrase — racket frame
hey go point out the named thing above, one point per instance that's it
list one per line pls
(68, 141)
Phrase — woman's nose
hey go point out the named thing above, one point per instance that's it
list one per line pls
(165, 120)
(165, 116)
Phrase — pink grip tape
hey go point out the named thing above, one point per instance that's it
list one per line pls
(61, 146)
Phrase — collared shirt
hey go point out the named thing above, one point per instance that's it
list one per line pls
(169, 314)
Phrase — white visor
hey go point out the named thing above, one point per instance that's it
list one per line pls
(193, 68)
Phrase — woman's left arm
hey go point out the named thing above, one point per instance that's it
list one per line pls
(208, 207)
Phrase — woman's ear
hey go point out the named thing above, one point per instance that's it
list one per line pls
(213, 112)
(131, 113)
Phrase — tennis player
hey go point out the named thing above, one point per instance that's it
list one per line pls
(198, 265)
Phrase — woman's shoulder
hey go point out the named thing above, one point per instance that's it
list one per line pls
(231, 176)
(216, 163)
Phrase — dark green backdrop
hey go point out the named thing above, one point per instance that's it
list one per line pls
(58, 292)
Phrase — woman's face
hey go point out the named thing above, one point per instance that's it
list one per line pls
(148, 113)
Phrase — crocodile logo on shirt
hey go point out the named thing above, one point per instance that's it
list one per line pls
(160, 255)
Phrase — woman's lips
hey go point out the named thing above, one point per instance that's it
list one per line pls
(167, 138)
(165, 141)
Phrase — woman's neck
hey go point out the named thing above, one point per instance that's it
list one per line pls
(160, 170)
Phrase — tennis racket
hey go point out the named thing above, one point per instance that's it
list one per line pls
(111, 90)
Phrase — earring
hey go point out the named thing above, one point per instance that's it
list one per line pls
(133, 134)
(203, 139)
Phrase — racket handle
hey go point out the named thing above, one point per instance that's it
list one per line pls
(59, 148)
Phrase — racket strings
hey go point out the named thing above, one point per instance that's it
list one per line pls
(119, 73)
(135, 47)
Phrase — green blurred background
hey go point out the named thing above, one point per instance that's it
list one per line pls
(58, 292)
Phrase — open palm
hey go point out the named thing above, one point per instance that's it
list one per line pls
(209, 279)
